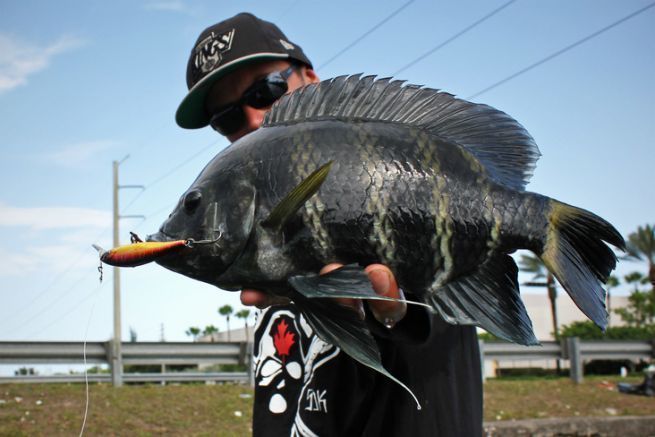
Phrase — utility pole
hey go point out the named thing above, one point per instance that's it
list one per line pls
(116, 353)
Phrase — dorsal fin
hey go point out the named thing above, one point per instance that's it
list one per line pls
(502, 145)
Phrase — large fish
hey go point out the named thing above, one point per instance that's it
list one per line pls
(357, 171)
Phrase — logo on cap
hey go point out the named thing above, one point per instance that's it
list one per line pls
(287, 45)
(209, 51)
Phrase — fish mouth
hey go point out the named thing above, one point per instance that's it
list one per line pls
(202, 259)
(163, 237)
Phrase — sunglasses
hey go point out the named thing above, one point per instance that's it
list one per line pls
(261, 94)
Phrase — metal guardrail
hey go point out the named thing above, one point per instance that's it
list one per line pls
(504, 351)
(572, 349)
(130, 377)
(164, 354)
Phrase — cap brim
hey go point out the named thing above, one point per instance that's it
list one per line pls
(191, 113)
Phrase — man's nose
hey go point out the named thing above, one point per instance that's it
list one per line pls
(254, 118)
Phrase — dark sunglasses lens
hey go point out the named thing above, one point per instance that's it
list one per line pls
(228, 121)
(266, 92)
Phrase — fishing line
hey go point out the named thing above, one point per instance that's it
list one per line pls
(86, 373)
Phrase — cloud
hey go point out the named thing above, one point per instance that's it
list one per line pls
(44, 218)
(61, 257)
(77, 154)
(166, 5)
(19, 60)
(12, 263)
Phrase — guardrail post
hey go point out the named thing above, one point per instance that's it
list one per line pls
(115, 363)
(575, 359)
(163, 370)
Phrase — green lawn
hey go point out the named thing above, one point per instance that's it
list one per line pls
(195, 409)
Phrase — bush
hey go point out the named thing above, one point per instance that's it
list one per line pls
(485, 336)
(588, 331)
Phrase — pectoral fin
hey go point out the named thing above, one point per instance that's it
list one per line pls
(349, 281)
(296, 198)
(343, 328)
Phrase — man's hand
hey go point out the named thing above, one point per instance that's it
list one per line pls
(386, 312)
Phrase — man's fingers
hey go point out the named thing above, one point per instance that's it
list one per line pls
(260, 299)
(354, 304)
(382, 279)
(384, 283)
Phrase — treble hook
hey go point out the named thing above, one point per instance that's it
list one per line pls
(134, 238)
(190, 242)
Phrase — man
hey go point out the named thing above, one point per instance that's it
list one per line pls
(237, 69)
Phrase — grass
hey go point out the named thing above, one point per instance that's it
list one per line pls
(528, 398)
(225, 410)
(141, 410)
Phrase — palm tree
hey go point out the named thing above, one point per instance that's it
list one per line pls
(533, 264)
(244, 314)
(210, 330)
(193, 332)
(640, 246)
(641, 308)
(226, 310)
(612, 282)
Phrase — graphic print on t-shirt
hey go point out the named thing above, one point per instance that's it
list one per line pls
(286, 355)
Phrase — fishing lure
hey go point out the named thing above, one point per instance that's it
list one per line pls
(140, 252)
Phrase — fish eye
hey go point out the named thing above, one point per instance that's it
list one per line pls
(192, 200)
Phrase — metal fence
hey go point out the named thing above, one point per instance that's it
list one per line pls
(573, 350)
(162, 354)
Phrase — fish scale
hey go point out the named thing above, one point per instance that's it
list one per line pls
(305, 160)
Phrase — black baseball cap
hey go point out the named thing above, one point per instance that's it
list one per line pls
(223, 47)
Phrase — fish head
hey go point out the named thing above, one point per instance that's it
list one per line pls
(215, 215)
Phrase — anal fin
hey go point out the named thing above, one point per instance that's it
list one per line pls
(488, 298)
(343, 328)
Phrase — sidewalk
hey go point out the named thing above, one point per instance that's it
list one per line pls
(625, 426)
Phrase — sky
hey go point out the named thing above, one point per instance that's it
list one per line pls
(85, 83)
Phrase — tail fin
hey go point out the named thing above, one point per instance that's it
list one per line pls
(576, 252)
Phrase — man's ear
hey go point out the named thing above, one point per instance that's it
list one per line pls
(310, 75)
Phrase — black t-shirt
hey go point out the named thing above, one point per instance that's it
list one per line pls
(306, 387)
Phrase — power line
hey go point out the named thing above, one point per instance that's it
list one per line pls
(70, 310)
(60, 275)
(183, 163)
(454, 37)
(559, 52)
(58, 298)
(367, 33)
(169, 172)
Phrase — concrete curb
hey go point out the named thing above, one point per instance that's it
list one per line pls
(624, 426)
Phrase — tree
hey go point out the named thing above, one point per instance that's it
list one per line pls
(640, 311)
(193, 332)
(210, 330)
(244, 314)
(641, 246)
(226, 310)
(533, 264)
